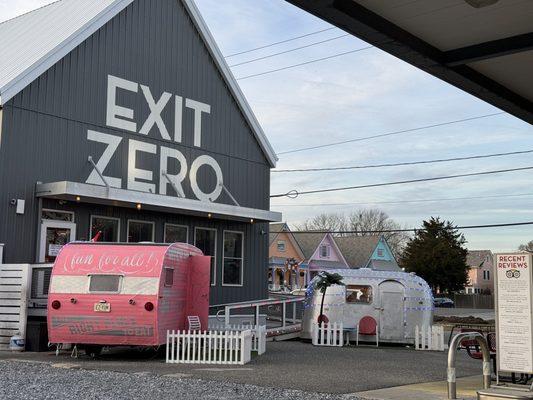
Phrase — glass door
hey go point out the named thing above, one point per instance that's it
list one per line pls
(54, 235)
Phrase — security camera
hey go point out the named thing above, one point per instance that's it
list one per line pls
(13, 202)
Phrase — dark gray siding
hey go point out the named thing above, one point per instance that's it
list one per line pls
(255, 243)
(44, 128)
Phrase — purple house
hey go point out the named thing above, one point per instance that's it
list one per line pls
(321, 253)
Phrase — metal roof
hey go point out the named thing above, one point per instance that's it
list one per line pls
(35, 41)
(483, 47)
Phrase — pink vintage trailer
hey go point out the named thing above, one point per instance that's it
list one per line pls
(121, 294)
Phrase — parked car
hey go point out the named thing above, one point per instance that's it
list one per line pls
(443, 302)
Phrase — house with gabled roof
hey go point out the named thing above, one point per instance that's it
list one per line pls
(321, 253)
(368, 252)
(480, 272)
(287, 269)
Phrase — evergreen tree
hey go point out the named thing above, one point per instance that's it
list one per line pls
(437, 254)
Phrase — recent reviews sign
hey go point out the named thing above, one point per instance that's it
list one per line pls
(514, 323)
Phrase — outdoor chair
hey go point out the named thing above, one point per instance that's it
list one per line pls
(368, 326)
(194, 323)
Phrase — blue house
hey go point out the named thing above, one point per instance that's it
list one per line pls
(367, 252)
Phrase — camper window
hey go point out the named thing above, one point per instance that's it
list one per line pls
(169, 276)
(359, 294)
(105, 283)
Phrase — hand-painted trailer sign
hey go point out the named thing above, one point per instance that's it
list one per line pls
(116, 294)
(513, 312)
(121, 117)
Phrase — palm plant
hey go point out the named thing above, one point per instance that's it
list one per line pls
(324, 281)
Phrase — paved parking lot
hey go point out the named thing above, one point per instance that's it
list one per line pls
(291, 365)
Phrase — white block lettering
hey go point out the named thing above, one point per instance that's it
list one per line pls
(178, 119)
(198, 108)
(193, 175)
(135, 173)
(155, 113)
(114, 110)
(167, 153)
(112, 142)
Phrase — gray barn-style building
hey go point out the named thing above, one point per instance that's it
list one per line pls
(121, 122)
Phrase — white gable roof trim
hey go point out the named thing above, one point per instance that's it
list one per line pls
(30, 65)
(230, 81)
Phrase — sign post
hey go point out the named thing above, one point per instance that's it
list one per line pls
(514, 312)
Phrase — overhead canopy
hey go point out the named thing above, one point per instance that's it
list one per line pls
(74, 191)
(484, 47)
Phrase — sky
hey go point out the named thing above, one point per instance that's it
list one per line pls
(363, 94)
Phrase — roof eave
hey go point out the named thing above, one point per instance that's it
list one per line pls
(18, 83)
(212, 46)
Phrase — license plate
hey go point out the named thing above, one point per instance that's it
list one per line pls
(102, 307)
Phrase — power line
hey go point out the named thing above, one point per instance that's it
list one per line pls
(390, 133)
(417, 229)
(437, 178)
(305, 63)
(280, 42)
(289, 51)
(404, 201)
(404, 163)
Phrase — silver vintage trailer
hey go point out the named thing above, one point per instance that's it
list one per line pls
(398, 301)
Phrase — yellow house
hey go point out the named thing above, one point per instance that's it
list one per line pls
(286, 268)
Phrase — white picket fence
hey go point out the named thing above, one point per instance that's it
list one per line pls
(259, 334)
(328, 334)
(13, 301)
(429, 338)
(209, 347)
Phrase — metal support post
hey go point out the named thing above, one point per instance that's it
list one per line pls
(452, 384)
(226, 316)
(178, 191)
(106, 183)
(225, 189)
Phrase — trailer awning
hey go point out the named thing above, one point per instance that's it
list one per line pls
(96, 194)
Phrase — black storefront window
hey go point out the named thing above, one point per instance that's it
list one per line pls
(140, 231)
(176, 233)
(109, 229)
(206, 240)
(233, 258)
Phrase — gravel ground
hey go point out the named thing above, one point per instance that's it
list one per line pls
(42, 381)
(289, 365)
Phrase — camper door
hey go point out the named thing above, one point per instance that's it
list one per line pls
(391, 321)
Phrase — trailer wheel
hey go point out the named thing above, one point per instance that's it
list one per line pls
(93, 351)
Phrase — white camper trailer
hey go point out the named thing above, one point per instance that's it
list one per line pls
(398, 302)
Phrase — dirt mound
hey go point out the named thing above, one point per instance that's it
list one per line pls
(462, 320)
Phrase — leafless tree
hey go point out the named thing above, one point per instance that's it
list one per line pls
(375, 222)
(363, 222)
(324, 222)
(526, 247)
